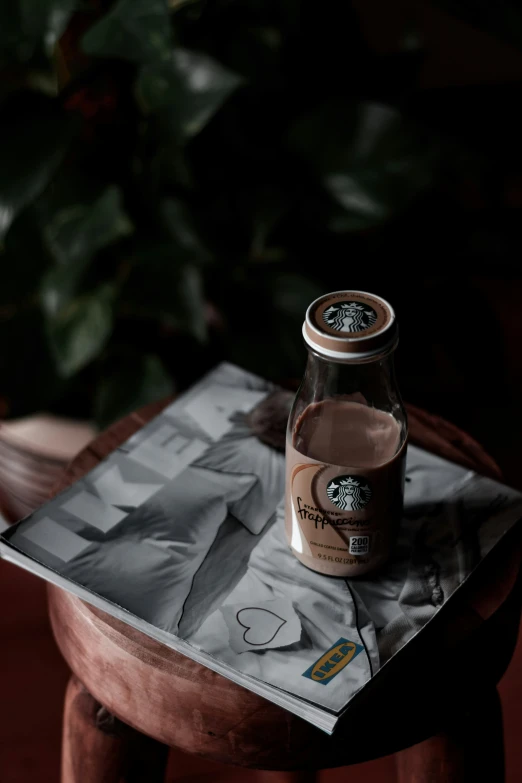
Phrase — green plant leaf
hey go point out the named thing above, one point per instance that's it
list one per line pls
(60, 284)
(369, 158)
(73, 235)
(34, 135)
(502, 18)
(188, 89)
(80, 330)
(137, 30)
(162, 286)
(129, 383)
(20, 76)
(193, 302)
(27, 25)
(79, 230)
(171, 166)
(183, 233)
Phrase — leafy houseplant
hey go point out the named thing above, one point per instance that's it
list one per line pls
(180, 179)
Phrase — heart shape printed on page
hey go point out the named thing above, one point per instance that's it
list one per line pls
(262, 625)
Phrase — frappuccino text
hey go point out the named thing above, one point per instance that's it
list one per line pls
(320, 519)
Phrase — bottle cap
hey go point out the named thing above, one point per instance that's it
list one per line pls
(351, 326)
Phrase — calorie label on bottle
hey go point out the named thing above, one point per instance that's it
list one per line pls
(359, 545)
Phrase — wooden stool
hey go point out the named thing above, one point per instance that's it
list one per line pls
(130, 698)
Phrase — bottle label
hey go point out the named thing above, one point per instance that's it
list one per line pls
(342, 516)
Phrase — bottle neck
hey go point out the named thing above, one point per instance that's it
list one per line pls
(372, 384)
(375, 381)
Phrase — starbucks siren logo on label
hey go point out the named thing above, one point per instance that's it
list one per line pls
(349, 317)
(349, 493)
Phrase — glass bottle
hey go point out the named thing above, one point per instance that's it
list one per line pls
(346, 438)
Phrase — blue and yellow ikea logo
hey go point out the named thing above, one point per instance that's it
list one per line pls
(333, 661)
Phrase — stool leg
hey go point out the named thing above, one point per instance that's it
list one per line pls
(99, 748)
(89, 754)
(146, 760)
(471, 749)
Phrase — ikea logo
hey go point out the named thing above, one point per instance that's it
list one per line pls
(333, 661)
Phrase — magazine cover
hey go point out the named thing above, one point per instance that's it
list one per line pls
(180, 533)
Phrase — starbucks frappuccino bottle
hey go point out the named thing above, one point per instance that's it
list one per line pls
(346, 438)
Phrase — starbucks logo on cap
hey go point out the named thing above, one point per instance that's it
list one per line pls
(349, 493)
(349, 317)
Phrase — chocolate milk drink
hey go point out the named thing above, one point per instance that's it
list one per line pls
(346, 438)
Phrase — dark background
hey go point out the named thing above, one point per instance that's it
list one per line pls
(178, 181)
